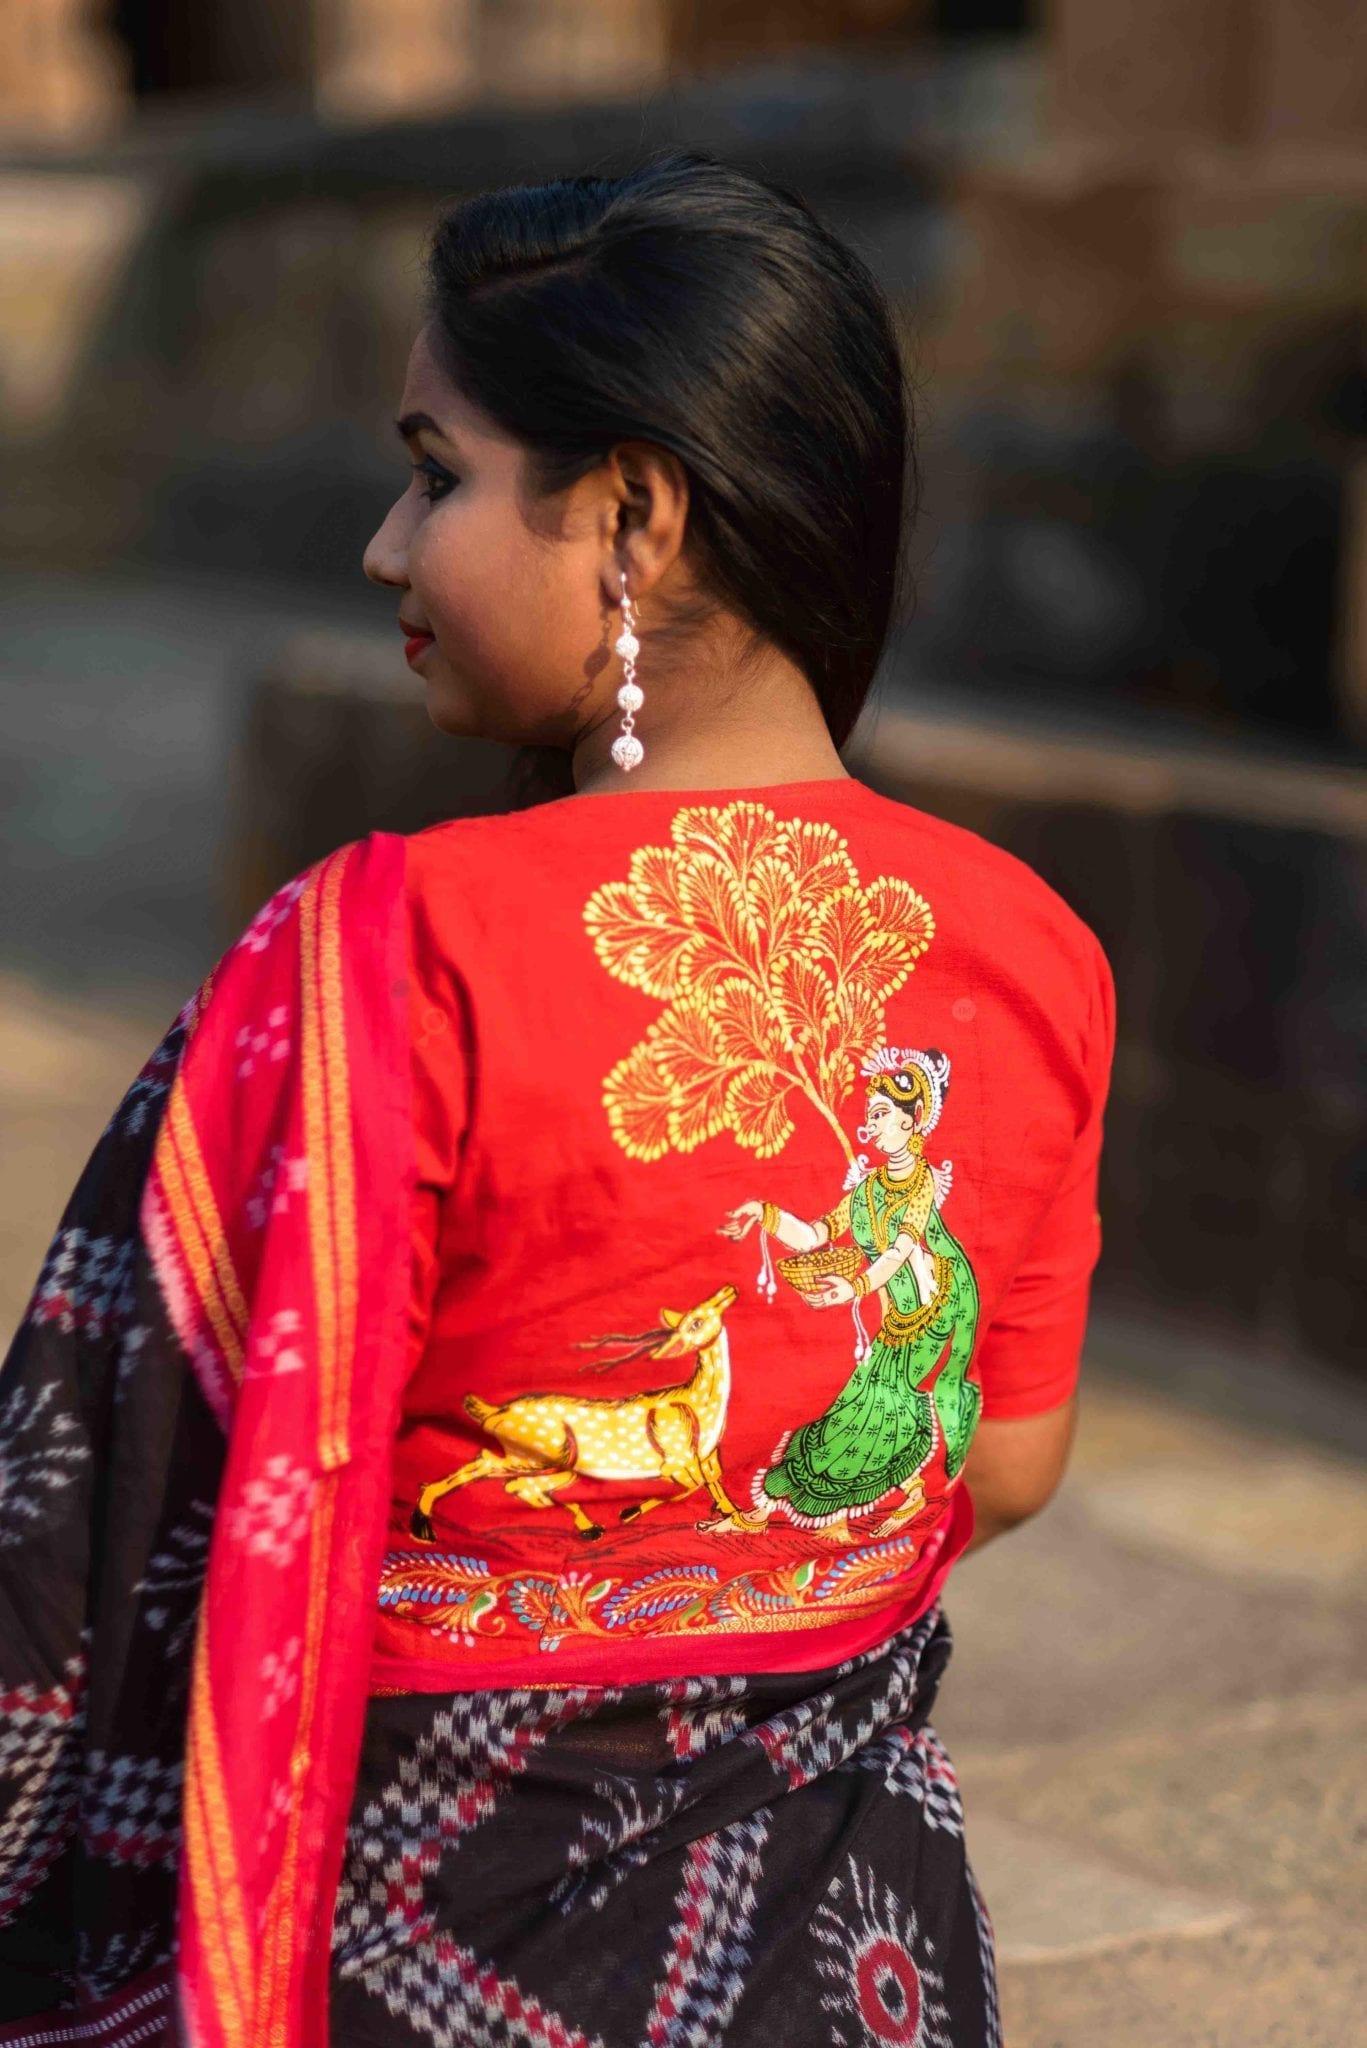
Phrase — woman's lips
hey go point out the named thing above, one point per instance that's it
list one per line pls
(414, 647)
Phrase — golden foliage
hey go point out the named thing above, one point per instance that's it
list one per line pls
(776, 965)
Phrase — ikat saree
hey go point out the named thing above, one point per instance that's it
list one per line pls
(760, 1860)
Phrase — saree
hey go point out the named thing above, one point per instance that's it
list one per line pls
(195, 1419)
(210, 1831)
(743, 1859)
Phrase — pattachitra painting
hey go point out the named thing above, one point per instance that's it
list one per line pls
(776, 969)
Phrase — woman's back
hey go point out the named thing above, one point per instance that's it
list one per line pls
(629, 1447)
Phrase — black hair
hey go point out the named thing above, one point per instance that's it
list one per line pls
(694, 305)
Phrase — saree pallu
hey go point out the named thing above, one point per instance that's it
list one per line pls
(196, 1415)
(727, 1862)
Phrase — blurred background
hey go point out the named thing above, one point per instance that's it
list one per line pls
(1126, 241)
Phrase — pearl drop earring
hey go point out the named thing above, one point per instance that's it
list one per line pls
(627, 750)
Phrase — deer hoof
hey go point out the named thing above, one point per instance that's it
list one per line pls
(630, 1514)
(421, 1526)
(593, 1532)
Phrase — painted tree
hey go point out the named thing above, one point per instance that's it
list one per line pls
(775, 964)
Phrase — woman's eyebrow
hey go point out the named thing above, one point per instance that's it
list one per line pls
(408, 426)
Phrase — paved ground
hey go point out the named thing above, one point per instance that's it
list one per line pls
(1158, 1705)
(1158, 1698)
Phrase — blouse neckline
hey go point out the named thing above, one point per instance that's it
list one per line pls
(722, 793)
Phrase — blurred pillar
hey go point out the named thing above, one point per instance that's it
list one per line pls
(1313, 84)
(404, 57)
(63, 77)
(1196, 207)
(394, 57)
(224, 46)
(63, 243)
(1351, 648)
(1152, 72)
(1262, 256)
(707, 33)
(1218, 72)
(1055, 284)
(549, 50)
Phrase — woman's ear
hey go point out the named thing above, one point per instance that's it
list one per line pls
(650, 490)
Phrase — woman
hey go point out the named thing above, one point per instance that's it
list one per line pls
(867, 1451)
(400, 1637)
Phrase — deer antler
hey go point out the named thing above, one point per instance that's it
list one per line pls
(644, 1341)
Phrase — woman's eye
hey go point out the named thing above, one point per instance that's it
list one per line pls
(439, 481)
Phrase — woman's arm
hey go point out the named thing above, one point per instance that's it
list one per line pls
(880, 1270)
(1014, 1466)
(789, 1230)
(832, 1288)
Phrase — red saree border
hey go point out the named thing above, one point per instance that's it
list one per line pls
(265, 1803)
(332, 1229)
(370, 1086)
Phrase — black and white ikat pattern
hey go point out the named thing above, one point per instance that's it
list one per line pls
(41, 1451)
(917, 1766)
(444, 1785)
(99, 1592)
(40, 1776)
(987, 1946)
(729, 1861)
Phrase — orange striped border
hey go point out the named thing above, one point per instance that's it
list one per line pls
(215, 1884)
(200, 1004)
(280, 1944)
(199, 1228)
(333, 1447)
(327, 1141)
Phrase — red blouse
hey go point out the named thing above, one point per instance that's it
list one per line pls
(663, 1042)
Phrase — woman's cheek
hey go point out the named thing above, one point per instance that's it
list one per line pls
(461, 562)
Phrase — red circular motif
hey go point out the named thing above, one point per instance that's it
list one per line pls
(964, 1011)
(889, 1991)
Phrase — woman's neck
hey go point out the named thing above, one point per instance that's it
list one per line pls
(722, 717)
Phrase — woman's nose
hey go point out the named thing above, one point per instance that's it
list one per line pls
(386, 557)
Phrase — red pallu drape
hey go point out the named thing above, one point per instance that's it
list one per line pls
(309, 1403)
(266, 1252)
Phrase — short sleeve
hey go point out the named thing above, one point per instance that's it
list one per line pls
(1031, 1354)
(837, 1220)
(440, 1068)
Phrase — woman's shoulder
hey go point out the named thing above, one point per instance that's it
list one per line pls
(454, 838)
(456, 856)
(990, 888)
(534, 832)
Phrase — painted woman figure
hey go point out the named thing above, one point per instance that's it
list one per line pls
(866, 1451)
(394, 1647)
